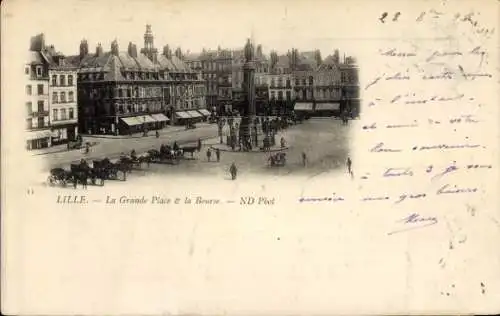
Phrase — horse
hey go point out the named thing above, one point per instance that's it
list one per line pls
(59, 175)
(112, 170)
(190, 149)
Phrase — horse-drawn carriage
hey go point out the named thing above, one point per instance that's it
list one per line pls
(59, 176)
(168, 157)
(135, 161)
(110, 170)
(78, 173)
(191, 149)
(278, 159)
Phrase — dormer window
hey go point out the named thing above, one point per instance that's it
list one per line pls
(39, 71)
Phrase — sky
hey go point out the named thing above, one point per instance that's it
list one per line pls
(190, 24)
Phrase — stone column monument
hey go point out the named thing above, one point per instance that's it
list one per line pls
(248, 129)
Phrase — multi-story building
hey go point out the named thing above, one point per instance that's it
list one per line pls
(350, 86)
(209, 74)
(52, 92)
(281, 86)
(327, 89)
(63, 98)
(124, 92)
(223, 63)
(37, 97)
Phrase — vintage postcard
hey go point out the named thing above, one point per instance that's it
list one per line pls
(250, 157)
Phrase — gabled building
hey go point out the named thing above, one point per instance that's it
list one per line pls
(327, 88)
(36, 73)
(121, 92)
(206, 63)
(63, 97)
(51, 90)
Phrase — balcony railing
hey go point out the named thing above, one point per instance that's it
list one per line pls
(39, 113)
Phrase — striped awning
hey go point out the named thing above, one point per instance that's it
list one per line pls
(204, 112)
(182, 115)
(195, 114)
(160, 117)
(131, 121)
(146, 119)
(327, 106)
(303, 106)
(38, 134)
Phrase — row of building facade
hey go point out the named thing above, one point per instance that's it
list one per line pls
(296, 80)
(125, 91)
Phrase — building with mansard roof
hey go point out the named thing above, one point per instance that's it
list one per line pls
(52, 106)
(122, 92)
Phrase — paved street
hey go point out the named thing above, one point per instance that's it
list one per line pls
(323, 140)
(112, 148)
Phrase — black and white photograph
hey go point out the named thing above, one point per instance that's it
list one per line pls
(100, 112)
(236, 157)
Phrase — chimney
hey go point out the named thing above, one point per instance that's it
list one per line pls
(132, 50)
(114, 48)
(259, 51)
(167, 51)
(84, 48)
(98, 51)
(37, 43)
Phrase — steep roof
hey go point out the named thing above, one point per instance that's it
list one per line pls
(144, 62)
(283, 61)
(179, 64)
(35, 58)
(165, 63)
(329, 63)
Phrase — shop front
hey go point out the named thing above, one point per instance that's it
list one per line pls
(303, 109)
(38, 139)
(130, 125)
(161, 120)
(205, 113)
(327, 109)
(195, 116)
(182, 117)
(61, 134)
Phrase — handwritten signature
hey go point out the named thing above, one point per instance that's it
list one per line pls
(414, 221)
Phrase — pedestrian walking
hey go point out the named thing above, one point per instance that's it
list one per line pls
(233, 170)
(209, 154)
(304, 159)
(68, 146)
(217, 154)
(349, 164)
(87, 148)
(157, 134)
(199, 143)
